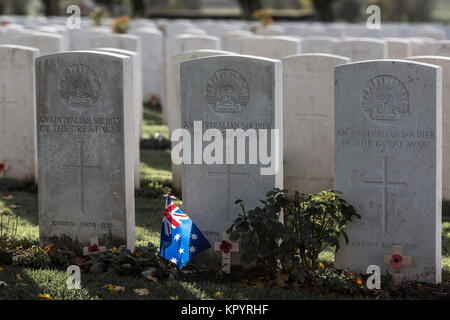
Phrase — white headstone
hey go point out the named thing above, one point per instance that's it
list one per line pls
(181, 43)
(444, 63)
(318, 44)
(362, 49)
(398, 48)
(80, 39)
(45, 42)
(137, 108)
(173, 99)
(85, 139)
(152, 62)
(269, 47)
(308, 121)
(229, 92)
(18, 112)
(388, 163)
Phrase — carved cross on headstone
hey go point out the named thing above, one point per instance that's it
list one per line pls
(81, 166)
(3, 103)
(94, 247)
(312, 114)
(397, 262)
(226, 246)
(228, 174)
(385, 184)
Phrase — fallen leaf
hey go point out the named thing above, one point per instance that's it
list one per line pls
(14, 206)
(173, 298)
(7, 197)
(281, 279)
(257, 284)
(44, 296)
(149, 277)
(3, 283)
(113, 289)
(141, 292)
(218, 294)
(19, 277)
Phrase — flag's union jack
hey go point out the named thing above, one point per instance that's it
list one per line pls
(173, 216)
(180, 238)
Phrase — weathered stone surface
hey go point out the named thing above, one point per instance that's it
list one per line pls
(398, 48)
(229, 92)
(388, 163)
(444, 63)
(361, 49)
(173, 99)
(45, 42)
(85, 147)
(181, 43)
(152, 62)
(137, 108)
(18, 112)
(308, 121)
(274, 47)
(318, 44)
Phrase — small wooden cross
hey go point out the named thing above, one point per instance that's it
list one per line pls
(397, 262)
(93, 248)
(226, 246)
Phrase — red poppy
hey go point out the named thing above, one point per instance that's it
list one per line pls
(225, 246)
(2, 166)
(396, 261)
(93, 248)
(154, 99)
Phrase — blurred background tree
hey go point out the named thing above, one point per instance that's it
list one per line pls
(349, 10)
(406, 10)
(51, 7)
(249, 6)
(325, 10)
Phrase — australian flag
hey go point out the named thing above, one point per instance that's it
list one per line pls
(181, 240)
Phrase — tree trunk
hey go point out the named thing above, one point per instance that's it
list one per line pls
(51, 7)
(324, 10)
(138, 8)
(249, 6)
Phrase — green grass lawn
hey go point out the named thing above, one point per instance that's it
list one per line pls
(25, 283)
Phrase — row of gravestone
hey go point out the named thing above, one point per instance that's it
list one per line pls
(219, 27)
(146, 39)
(388, 150)
(228, 181)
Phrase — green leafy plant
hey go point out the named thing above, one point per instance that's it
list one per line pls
(144, 260)
(34, 257)
(312, 223)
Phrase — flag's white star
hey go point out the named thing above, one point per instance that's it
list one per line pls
(192, 249)
(173, 260)
(181, 250)
(194, 236)
(177, 237)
